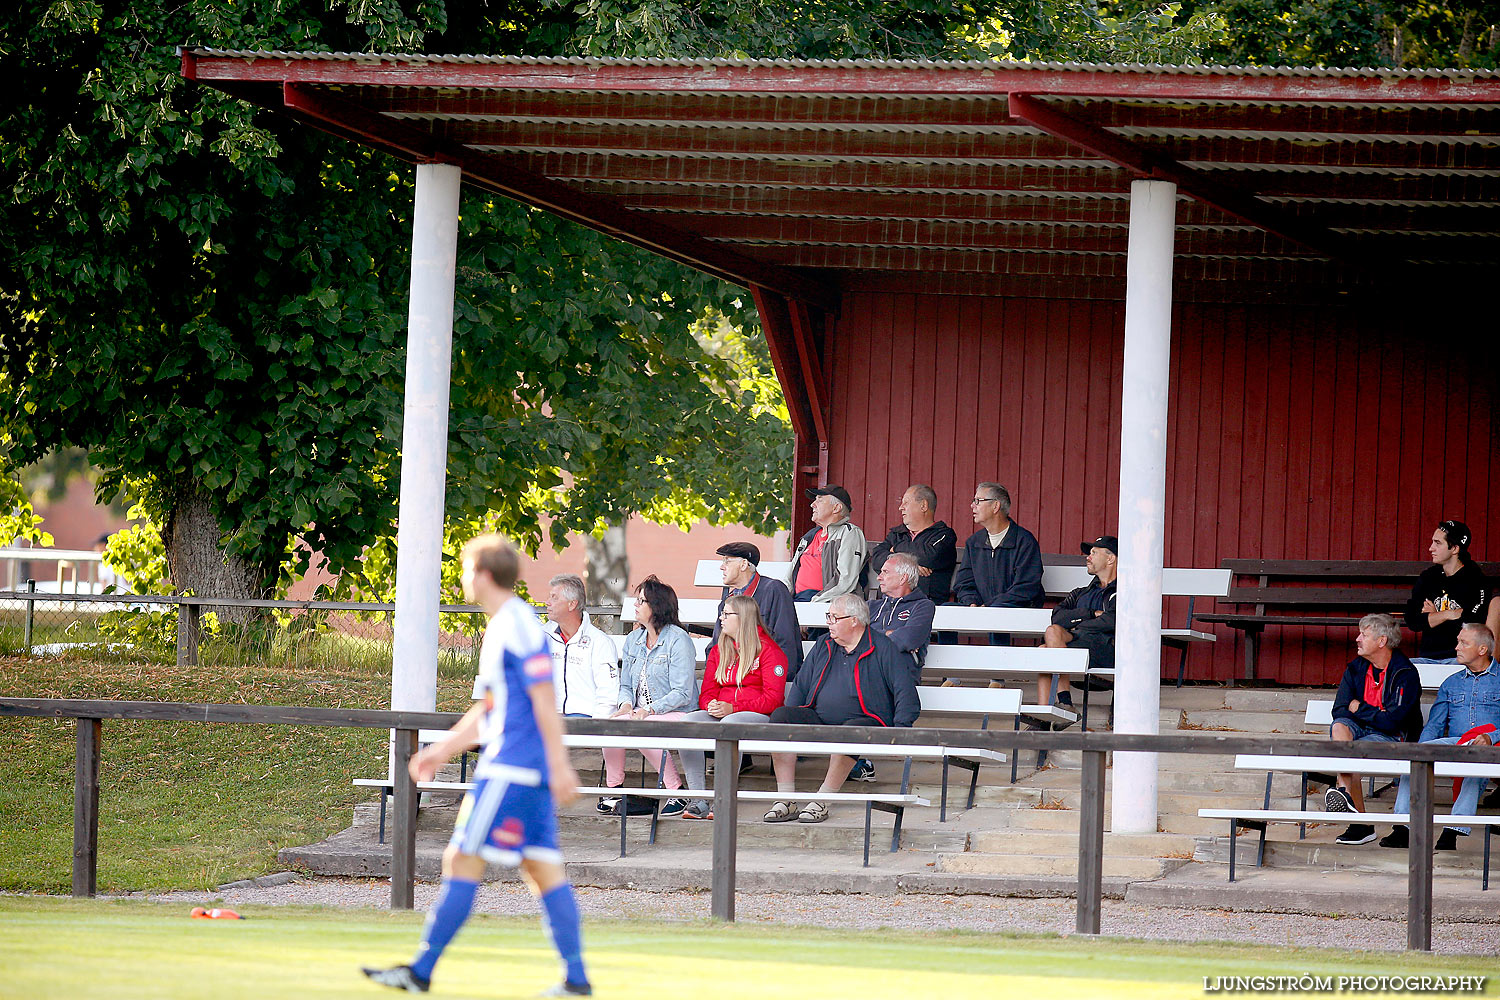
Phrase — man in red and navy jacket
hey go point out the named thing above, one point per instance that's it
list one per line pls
(854, 677)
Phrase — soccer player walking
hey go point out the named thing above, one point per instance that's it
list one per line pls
(509, 817)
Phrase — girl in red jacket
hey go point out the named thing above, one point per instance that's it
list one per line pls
(744, 680)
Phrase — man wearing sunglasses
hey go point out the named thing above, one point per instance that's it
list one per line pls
(853, 677)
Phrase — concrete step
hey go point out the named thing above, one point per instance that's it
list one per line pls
(1054, 865)
(1273, 699)
(1319, 852)
(1234, 720)
(1141, 845)
(1025, 819)
(843, 831)
(1180, 803)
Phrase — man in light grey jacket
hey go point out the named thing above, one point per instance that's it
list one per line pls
(830, 559)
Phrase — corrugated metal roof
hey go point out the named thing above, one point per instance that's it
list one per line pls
(895, 64)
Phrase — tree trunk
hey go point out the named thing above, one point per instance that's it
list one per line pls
(1467, 39)
(608, 566)
(197, 562)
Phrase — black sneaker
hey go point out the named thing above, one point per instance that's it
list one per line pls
(1398, 837)
(746, 763)
(1447, 840)
(863, 770)
(673, 808)
(1336, 800)
(567, 989)
(399, 977)
(607, 804)
(1358, 833)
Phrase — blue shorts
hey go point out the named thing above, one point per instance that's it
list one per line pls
(1363, 732)
(503, 821)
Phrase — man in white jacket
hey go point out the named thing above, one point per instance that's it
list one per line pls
(585, 661)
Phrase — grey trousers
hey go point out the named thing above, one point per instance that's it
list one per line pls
(694, 762)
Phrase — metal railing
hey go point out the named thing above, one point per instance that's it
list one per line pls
(78, 615)
(727, 737)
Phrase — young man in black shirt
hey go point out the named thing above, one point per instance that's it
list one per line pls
(1448, 595)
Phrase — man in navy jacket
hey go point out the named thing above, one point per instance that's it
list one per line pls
(854, 677)
(1378, 699)
(1002, 565)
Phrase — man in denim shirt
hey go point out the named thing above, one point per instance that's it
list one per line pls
(1468, 699)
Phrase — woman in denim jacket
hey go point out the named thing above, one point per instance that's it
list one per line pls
(658, 679)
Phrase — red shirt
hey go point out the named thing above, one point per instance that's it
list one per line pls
(1374, 687)
(810, 569)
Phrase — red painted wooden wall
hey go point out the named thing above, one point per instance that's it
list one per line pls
(1296, 432)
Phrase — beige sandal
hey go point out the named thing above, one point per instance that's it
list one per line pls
(813, 812)
(781, 812)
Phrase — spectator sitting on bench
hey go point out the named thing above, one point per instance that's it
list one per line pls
(1379, 699)
(830, 559)
(903, 614)
(1467, 701)
(1002, 565)
(740, 562)
(853, 677)
(920, 533)
(1085, 619)
(658, 680)
(585, 666)
(1447, 595)
(744, 680)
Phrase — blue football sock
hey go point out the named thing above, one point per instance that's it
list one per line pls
(450, 910)
(560, 915)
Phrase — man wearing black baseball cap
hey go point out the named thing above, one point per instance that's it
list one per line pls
(740, 562)
(830, 558)
(1085, 619)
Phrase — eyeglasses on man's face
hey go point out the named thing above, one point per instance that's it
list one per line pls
(979, 500)
(835, 619)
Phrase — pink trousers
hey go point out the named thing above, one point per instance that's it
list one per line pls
(614, 760)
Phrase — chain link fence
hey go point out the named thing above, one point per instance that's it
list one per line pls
(190, 630)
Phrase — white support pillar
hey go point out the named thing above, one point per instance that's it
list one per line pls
(1143, 491)
(424, 437)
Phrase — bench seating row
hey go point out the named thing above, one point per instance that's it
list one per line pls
(1260, 819)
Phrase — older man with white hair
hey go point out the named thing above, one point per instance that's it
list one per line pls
(585, 662)
(1467, 711)
(902, 613)
(853, 677)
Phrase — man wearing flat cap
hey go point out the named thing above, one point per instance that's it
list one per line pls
(830, 559)
(740, 563)
(1085, 619)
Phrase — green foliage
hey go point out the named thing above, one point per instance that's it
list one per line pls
(152, 631)
(1055, 30)
(18, 521)
(1357, 33)
(138, 555)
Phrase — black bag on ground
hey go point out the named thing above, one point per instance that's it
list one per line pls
(634, 805)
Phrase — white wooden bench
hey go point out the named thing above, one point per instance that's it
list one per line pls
(995, 662)
(1058, 581)
(969, 758)
(1257, 819)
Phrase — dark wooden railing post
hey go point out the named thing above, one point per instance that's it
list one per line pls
(1419, 856)
(189, 634)
(404, 821)
(29, 621)
(726, 825)
(1091, 842)
(86, 809)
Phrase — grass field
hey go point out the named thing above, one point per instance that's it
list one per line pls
(188, 805)
(124, 949)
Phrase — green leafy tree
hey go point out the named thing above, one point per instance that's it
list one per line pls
(210, 299)
(1356, 33)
